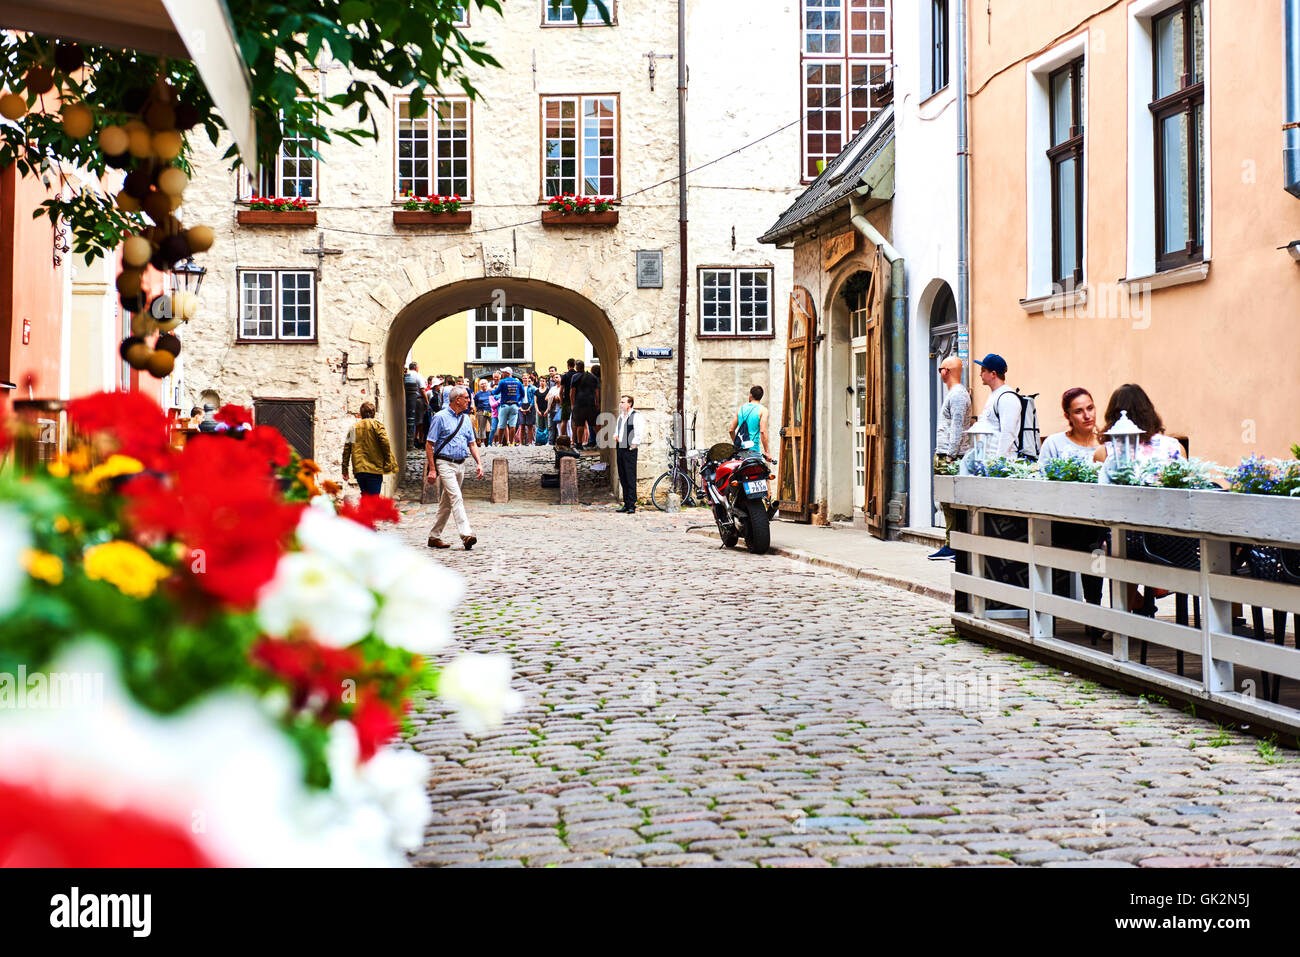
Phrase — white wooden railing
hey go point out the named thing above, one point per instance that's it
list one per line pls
(1219, 521)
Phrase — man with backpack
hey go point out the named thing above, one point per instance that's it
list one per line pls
(748, 427)
(1006, 411)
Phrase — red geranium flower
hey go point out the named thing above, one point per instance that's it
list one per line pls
(132, 418)
(311, 670)
(269, 443)
(372, 510)
(225, 505)
(375, 723)
(234, 415)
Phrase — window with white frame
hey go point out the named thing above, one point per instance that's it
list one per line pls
(580, 146)
(1168, 139)
(501, 335)
(433, 149)
(1056, 98)
(277, 305)
(462, 15)
(939, 47)
(845, 57)
(561, 14)
(735, 302)
(292, 175)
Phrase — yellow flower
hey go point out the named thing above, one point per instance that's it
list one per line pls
(61, 524)
(48, 568)
(75, 461)
(58, 469)
(115, 466)
(127, 567)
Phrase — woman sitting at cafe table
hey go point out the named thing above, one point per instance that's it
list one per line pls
(1142, 412)
(1079, 441)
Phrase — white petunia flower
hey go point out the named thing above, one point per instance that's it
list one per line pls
(418, 598)
(318, 594)
(15, 538)
(478, 687)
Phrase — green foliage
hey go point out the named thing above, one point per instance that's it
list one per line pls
(1069, 470)
(407, 44)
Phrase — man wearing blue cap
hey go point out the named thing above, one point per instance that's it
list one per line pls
(1002, 411)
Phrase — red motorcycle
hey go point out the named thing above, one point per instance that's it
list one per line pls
(736, 483)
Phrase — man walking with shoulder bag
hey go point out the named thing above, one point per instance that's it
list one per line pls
(451, 440)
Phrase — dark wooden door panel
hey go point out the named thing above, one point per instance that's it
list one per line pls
(294, 418)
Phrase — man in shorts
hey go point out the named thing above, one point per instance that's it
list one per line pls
(509, 393)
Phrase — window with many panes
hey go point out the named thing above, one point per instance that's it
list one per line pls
(561, 14)
(433, 149)
(294, 173)
(1066, 97)
(277, 305)
(1177, 109)
(735, 302)
(845, 58)
(580, 145)
(500, 335)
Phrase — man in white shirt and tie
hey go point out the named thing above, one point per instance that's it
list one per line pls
(627, 435)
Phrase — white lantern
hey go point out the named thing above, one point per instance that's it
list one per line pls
(1125, 435)
(982, 435)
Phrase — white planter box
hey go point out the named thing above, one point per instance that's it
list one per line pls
(1272, 519)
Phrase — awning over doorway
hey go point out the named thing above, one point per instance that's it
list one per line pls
(868, 160)
(196, 30)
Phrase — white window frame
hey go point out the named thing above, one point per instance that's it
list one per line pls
(1038, 169)
(1141, 233)
(847, 60)
(927, 49)
(594, 18)
(471, 352)
(250, 183)
(580, 101)
(733, 329)
(463, 19)
(277, 305)
(431, 119)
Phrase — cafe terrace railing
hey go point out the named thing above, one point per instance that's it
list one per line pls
(1224, 525)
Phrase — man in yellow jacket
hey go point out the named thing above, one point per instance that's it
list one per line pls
(369, 451)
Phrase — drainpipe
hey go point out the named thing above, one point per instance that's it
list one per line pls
(897, 413)
(1291, 131)
(681, 219)
(963, 200)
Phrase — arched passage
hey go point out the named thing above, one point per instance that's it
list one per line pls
(457, 297)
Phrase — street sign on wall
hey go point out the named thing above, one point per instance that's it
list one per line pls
(658, 352)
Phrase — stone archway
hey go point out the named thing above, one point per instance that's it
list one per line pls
(467, 294)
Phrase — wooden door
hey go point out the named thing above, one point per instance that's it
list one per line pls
(294, 418)
(795, 464)
(872, 400)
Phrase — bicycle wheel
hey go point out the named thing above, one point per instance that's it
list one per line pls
(666, 484)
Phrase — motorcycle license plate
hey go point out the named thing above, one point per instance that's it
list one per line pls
(753, 488)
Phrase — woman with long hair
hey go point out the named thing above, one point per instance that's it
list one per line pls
(1142, 412)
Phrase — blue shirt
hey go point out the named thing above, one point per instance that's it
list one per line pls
(482, 400)
(509, 390)
(749, 420)
(445, 423)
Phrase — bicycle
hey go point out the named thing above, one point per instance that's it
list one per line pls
(682, 476)
(684, 481)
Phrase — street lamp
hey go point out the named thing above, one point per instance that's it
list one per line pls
(982, 435)
(1125, 435)
(180, 306)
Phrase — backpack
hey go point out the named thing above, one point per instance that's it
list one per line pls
(1029, 443)
(435, 399)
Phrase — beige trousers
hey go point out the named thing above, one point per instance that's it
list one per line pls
(450, 502)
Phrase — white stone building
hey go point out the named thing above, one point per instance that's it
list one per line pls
(305, 338)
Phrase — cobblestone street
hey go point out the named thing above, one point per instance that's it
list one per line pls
(687, 705)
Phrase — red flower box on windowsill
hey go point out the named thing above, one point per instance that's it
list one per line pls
(419, 217)
(551, 217)
(271, 217)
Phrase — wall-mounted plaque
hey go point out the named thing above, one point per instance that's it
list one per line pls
(649, 268)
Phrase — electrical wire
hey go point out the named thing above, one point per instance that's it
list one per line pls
(645, 189)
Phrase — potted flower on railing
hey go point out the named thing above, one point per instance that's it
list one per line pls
(1260, 476)
(567, 209)
(277, 211)
(436, 210)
